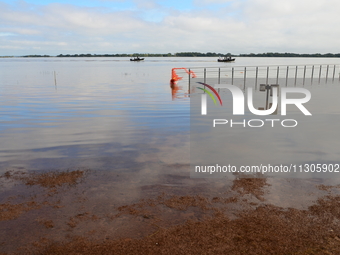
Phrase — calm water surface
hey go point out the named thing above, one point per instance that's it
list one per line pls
(94, 108)
(101, 113)
(123, 121)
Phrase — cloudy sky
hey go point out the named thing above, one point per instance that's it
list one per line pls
(161, 26)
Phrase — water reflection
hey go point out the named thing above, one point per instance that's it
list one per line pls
(117, 119)
(106, 106)
(71, 110)
(312, 141)
(174, 90)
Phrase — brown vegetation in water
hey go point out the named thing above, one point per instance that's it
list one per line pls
(254, 186)
(48, 179)
(257, 228)
(9, 211)
(51, 180)
(265, 230)
(46, 223)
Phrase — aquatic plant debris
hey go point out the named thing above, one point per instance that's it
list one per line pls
(169, 223)
(47, 179)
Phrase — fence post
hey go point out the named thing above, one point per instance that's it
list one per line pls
(296, 69)
(205, 75)
(244, 79)
(232, 76)
(320, 73)
(257, 70)
(189, 81)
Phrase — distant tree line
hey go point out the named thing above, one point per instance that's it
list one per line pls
(180, 54)
(36, 56)
(276, 54)
(197, 54)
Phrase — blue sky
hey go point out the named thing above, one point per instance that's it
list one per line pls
(159, 26)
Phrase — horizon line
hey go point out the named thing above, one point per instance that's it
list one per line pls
(184, 54)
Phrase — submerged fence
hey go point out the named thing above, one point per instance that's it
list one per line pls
(244, 76)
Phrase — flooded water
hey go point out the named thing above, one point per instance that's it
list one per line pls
(103, 113)
(122, 121)
(56, 113)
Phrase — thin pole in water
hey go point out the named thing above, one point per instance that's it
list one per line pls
(189, 82)
(257, 70)
(320, 73)
(232, 76)
(55, 80)
(244, 79)
(205, 75)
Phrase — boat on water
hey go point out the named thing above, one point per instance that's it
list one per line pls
(136, 59)
(225, 59)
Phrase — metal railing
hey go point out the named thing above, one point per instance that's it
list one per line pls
(286, 75)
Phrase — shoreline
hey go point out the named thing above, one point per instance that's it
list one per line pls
(185, 54)
(68, 212)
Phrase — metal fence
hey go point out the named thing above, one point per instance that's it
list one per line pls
(244, 76)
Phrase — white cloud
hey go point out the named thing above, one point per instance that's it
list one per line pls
(207, 2)
(20, 31)
(241, 27)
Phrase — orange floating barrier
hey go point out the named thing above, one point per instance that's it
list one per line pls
(175, 77)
